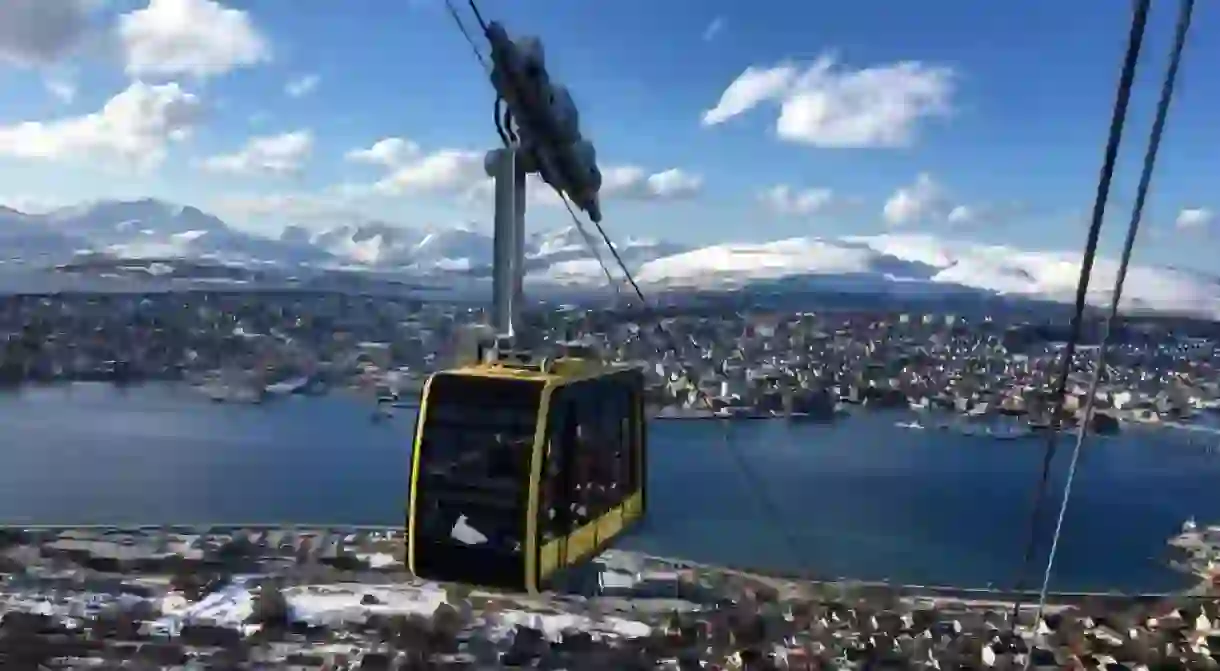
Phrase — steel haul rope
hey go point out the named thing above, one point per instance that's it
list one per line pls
(1118, 118)
(1186, 9)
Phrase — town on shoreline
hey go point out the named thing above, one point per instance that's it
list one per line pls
(983, 373)
(315, 596)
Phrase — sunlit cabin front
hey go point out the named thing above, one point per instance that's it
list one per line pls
(521, 472)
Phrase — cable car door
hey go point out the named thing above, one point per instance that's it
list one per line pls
(473, 480)
(554, 509)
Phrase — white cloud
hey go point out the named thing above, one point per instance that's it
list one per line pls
(442, 171)
(283, 154)
(962, 214)
(201, 38)
(388, 152)
(784, 199)
(302, 86)
(36, 32)
(986, 213)
(537, 193)
(828, 106)
(62, 90)
(713, 29)
(922, 200)
(752, 87)
(635, 183)
(624, 182)
(461, 173)
(31, 204)
(135, 127)
(1193, 218)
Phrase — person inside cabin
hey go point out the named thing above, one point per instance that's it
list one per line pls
(547, 499)
(501, 461)
(582, 476)
(601, 456)
(449, 453)
(558, 480)
(619, 465)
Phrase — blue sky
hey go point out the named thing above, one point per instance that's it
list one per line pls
(975, 120)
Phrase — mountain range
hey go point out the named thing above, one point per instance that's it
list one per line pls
(892, 264)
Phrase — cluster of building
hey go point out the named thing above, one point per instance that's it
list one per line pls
(252, 340)
(751, 363)
(277, 598)
(979, 368)
(1198, 550)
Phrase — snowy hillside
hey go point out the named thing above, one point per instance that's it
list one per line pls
(915, 262)
(367, 243)
(908, 264)
(25, 237)
(152, 228)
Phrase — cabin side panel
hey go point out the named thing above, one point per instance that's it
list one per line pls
(413, 477)
(534, 522)
(471, 480)
(635, 434)
(555, 483)
(591, 475)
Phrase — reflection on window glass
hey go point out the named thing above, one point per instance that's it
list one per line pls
(552, 494)
(614, 455)
(474, 461)
(589, 458)
(600, 458)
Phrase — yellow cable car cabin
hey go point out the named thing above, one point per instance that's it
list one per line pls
(523, 470)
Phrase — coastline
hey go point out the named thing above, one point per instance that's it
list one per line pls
(961, 593)
(315, 431)
(666, 413)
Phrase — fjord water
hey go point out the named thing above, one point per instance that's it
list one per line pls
(860, 498)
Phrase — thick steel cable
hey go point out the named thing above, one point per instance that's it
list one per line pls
(1118, 118)
(1154, 142)
(478, 16)
(590, 243)
(769, 508)
(461, 25)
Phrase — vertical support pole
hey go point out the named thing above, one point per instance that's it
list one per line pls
(508, 261)
(518, 299)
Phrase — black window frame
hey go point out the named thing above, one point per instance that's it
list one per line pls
(585, 455)
(634, 439)
(470, 407)
(614, 455)
(554, 478)
(611, 407)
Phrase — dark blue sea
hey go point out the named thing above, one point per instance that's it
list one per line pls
(860, 498)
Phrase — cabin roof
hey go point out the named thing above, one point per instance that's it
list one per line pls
(561, 371)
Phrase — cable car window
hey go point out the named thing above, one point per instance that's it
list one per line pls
(554, 509)
(475, 452)
(585, 442)
(591, 433)
(633, 415)
(597, 445)
(614, 409)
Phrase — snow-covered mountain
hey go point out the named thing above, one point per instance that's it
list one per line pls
(379, 245)
(25, 237)
(457, 249)
(903, 264)
(152, 228)
(370, 243)
(568, 244)
(920, 263)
